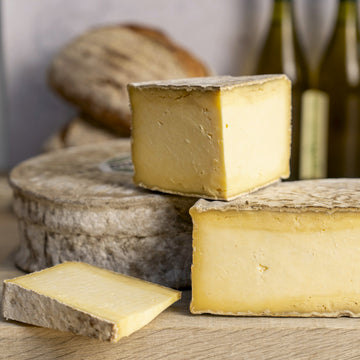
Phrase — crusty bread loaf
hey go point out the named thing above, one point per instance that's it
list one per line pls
(93, 70)
(5, 193)
(79, 131)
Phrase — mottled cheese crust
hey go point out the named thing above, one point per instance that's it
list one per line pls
(72, 207)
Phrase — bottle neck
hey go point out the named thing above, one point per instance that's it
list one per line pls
(346, 33)
(347, 10)
(281, 9)
(282, 20)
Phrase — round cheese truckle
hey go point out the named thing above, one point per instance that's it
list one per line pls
(93, 70)
(80, 204)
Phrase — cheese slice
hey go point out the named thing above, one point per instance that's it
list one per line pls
(291, 249)
(214, 137)
(85, 300)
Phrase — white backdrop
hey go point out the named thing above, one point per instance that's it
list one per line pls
(3, 130)
(225, 34)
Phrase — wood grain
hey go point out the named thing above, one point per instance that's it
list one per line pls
(176, 334)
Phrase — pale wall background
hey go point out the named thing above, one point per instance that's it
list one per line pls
(225, 34)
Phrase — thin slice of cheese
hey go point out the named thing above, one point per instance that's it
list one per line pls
(85, 300)
(214, 137)
(291, 249)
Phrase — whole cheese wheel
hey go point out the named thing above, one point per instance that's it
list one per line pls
(80, 204)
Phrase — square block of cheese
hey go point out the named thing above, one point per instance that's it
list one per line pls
(291, 249)
(214, 137)
(85, 300)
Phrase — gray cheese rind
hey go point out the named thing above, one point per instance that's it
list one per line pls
(211, 83)
(70, 210)
(21, 304)
(323, 195)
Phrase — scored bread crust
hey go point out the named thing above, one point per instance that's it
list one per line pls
(93, 70)
(193, 66)
(81, 130)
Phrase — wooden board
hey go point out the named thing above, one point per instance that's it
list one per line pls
(176, 334)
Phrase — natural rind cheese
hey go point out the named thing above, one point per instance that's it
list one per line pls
(214, 137)
(85, 300)
(80, 204)
(291, 249)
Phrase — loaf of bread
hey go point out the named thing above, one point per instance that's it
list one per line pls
(80, 131)
(93, 70)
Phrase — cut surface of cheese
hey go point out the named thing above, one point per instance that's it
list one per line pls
(291, 249)
(214, 137)
(85, 300)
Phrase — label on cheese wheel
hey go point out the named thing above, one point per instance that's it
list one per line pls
(122, 164)
(313, 136)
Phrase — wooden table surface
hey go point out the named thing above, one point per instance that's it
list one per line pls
(176, 334)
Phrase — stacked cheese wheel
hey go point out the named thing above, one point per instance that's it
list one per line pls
(80, 204)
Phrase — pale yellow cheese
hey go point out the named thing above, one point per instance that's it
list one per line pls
(283, 251)
(214, 137)
(86, 300)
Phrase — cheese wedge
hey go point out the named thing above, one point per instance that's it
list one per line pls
(291, 249)
(214, 137)
(85, 300)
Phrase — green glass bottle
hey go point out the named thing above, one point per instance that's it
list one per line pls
(340, 79)
(281, 54)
